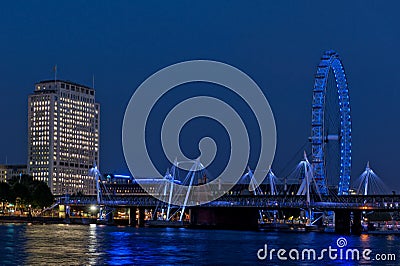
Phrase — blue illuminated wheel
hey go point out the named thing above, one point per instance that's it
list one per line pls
(319, 134)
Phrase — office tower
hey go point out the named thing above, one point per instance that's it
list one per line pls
(63, 136)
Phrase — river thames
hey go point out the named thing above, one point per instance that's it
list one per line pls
(24, 244)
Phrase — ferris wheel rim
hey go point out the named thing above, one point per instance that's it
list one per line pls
(330, 61)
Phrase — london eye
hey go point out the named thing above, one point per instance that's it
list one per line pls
(325, 134)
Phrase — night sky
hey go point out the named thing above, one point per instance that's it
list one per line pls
(277, 43)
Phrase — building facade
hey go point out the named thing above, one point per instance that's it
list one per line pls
(63, 136)
(7, 171)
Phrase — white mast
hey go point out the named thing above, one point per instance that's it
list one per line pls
(172, 173)
(96, 174)
(367, 169)
(197, 166)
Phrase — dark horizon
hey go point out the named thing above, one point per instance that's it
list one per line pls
(278, 45)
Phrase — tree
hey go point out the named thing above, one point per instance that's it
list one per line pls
(41, 195)
(30, 191)
(21, 191)
(5, 192)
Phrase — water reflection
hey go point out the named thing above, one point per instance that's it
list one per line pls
(120, 252)
(61, 244)
(99, 245)
(92, 246)
(12, 244)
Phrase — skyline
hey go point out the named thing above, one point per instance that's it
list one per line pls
(366, 42)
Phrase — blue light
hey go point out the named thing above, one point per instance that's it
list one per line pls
(330, 60)
(122, 176)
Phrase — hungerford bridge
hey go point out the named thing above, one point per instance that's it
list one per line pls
(244, 209)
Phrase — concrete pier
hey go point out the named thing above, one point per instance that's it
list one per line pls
(136, 216)
(344, 224)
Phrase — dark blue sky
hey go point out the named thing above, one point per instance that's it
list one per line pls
(277, 43)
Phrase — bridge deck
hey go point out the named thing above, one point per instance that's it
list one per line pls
(379, 203)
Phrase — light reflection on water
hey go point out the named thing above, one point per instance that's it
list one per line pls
(98, 245)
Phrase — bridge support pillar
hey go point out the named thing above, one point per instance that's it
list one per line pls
(136, 216)
(348, 222)
(141, 217)
(356, 227)
(229, 218)
(132, 216)
(342, 221)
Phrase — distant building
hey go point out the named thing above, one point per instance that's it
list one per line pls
(124, 185)
(7, 171)
(117, 179)
(63, 136)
